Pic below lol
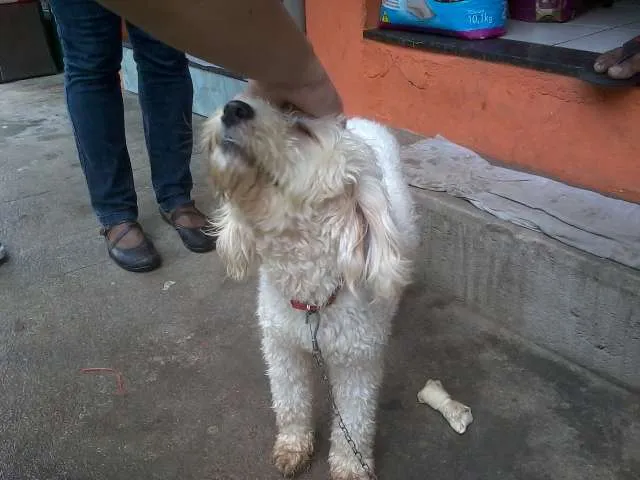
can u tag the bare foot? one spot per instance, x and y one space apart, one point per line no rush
610 62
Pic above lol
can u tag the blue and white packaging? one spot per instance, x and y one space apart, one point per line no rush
470 19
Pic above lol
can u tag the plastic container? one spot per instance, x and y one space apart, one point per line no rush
469 19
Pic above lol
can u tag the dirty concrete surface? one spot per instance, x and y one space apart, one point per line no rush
197 403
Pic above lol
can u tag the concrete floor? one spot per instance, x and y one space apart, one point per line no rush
197 402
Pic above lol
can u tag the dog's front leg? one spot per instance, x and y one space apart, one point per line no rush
356 382
289 371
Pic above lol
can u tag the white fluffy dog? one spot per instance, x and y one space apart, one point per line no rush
319 206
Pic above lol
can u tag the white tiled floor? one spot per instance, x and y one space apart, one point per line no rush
548 33
598 30
605 40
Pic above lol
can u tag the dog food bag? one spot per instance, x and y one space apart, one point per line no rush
470 19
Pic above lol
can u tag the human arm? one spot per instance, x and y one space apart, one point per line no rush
254 38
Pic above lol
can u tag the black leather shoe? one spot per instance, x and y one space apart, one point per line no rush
3 254
195 239
141 258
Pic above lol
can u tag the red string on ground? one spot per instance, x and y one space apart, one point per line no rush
120 390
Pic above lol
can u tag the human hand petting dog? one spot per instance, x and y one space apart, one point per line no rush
316 97
257 39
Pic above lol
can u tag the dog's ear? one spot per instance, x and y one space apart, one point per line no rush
371 245
235 243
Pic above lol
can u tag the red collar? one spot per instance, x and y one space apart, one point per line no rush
307 307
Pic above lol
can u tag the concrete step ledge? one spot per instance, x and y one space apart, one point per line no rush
579 306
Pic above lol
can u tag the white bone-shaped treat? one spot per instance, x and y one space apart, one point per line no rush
458 415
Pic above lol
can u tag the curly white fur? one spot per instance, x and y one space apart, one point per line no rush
312 204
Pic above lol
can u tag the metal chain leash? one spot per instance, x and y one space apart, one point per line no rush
319 359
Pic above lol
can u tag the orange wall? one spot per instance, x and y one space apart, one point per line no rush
549 124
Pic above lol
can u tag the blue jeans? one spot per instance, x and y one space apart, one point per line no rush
91 40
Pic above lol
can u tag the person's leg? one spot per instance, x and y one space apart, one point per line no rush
166 98
166 95
91 41
92 48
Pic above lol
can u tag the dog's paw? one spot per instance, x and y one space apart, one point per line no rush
292 453
349 470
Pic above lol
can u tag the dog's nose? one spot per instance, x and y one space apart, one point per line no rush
236 112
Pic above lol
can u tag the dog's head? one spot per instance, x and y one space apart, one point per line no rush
259 155
282 170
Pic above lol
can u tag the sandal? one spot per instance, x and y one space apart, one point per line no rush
142 258
194 238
